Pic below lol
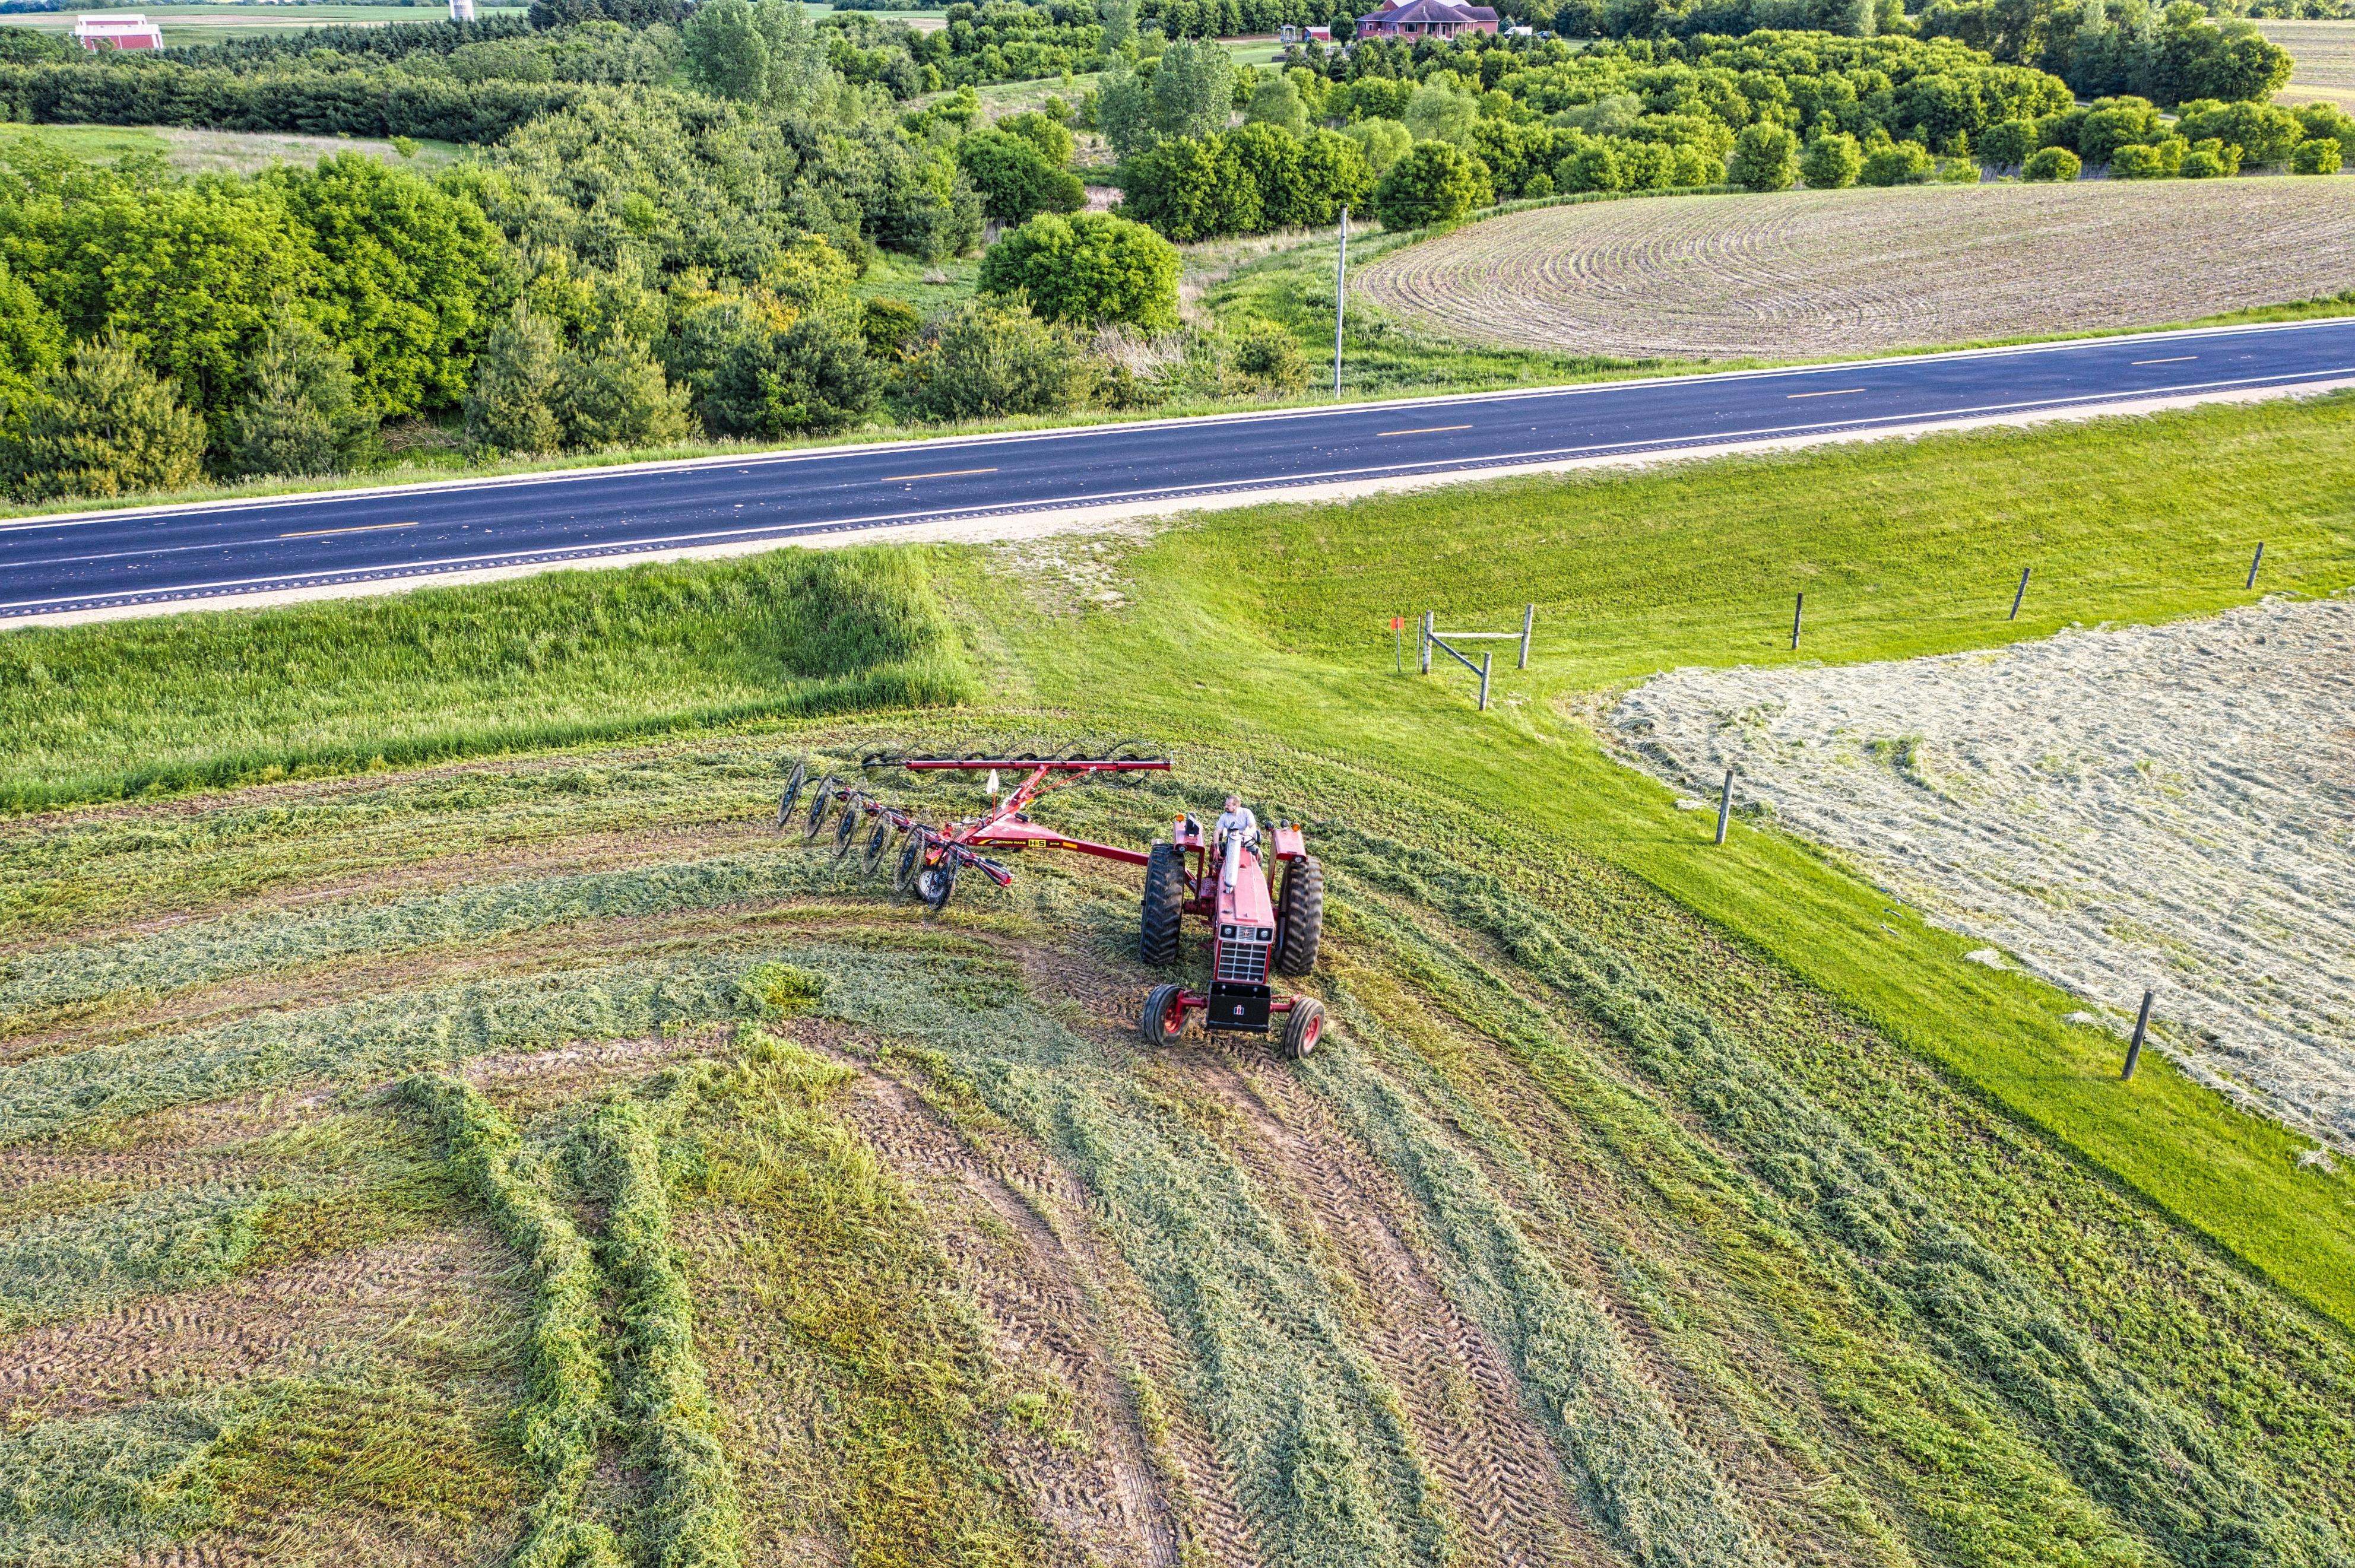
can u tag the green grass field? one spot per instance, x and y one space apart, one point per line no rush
1653 1202
199 152
187 26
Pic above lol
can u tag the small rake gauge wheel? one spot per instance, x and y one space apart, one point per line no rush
1304 1027
1164 1018
935 883
818 803
794 786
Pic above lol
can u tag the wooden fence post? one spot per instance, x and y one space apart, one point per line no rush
2134 1046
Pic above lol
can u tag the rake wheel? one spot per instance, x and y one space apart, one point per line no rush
872 860
824 798
794 786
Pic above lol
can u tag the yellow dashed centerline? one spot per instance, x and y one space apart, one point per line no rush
362 528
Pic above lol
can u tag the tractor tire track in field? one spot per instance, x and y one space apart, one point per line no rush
1462 1402
1105 1499
1809 273
269 1322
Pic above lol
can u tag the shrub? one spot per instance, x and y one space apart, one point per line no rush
1269 356
813 377
614 394
889 325
2112 124
1899 164
1538 185
1956 172
1831 162
2006 144
1092 268
2319 156
991 357
103 425
1765 158
2147 161
2051 164
1435 183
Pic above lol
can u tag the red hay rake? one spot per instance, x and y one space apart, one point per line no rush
930 858
1225 877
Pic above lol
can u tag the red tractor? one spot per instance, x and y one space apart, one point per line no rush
1251 927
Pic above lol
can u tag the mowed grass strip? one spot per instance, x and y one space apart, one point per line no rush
1807 273
226 698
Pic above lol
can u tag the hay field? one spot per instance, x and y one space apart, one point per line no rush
197 151
2325 53
2170 807
1816 273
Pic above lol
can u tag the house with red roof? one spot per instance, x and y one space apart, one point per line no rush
1427 19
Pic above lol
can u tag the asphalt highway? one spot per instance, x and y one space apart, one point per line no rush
159 555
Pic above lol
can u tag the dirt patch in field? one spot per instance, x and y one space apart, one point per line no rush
2170 807
1802 274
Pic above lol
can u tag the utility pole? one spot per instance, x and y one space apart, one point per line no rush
1341 293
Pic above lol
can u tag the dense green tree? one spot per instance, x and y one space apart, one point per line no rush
1435 183
725 53
2159 160
102 425
1094 269
1119 24
32 339
612 393
1193 89
1765 158
2113 122
194 277
510 407
1045 132
1441 110
989 357
1275 100
1831 162
302 413
405 272
1014 179
814 376
1381 142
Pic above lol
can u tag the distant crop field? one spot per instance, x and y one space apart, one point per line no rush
187 25
1805 273
2325 52
199 152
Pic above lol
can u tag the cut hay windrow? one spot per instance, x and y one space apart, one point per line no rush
2162 1472
95 1491
691 1517
565 1375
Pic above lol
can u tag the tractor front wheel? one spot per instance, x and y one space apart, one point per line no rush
1301 910
1164 904
1164 1018
1304 1026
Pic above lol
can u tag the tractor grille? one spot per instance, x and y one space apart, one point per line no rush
1239 961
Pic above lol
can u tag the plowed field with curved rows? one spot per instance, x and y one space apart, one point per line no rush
1805 273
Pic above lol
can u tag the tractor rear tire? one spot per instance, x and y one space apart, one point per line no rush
1163 1019
1304 1027
1164 904
1303 911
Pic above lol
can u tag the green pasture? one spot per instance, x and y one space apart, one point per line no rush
1266 633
